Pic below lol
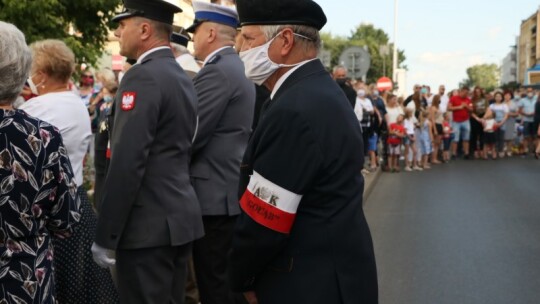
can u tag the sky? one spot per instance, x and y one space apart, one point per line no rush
441 38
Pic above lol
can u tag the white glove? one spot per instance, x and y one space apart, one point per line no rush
102 256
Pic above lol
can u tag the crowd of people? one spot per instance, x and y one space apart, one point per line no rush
428 129
212 171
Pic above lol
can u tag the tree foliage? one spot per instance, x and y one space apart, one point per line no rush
82 24
482 75
373 38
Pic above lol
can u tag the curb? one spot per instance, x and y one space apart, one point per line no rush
369 183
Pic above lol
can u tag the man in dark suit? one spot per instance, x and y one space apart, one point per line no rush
226 105
302 236
340 76
149 214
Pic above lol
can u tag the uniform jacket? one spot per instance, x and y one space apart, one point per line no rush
302 236
148 200
226 106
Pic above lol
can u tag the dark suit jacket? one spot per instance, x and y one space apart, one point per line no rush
148 200
309 143
226 106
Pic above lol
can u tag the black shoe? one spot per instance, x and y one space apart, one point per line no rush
466 157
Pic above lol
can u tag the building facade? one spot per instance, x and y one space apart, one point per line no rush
509 65
529 51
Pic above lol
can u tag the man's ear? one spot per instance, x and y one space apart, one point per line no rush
146 30
287 41
212 34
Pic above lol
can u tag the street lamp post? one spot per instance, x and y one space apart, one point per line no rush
395 55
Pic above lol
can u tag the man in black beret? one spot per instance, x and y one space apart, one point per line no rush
149 214
302 236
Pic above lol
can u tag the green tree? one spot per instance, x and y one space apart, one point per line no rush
373 38
482 75
82 24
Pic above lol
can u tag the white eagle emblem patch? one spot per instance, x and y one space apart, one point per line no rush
128 101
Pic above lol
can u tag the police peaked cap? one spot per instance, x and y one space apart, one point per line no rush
212 12
281 12
158 10
180 36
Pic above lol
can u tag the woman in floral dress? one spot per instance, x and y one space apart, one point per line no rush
37 191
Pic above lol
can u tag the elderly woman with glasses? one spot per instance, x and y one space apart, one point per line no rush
78 278
37 189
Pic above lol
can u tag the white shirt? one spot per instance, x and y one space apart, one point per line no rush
366 104
393 114
409 125
430 99
188 63
65 111
150 51
443 106
358 110
282 79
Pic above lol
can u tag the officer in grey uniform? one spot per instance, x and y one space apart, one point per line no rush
179 42
226 104
149 215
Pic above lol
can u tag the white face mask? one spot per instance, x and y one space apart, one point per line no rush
258 66
32 86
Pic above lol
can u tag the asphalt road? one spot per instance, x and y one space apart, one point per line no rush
464 232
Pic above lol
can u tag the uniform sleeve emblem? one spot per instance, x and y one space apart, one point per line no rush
269 204
128 101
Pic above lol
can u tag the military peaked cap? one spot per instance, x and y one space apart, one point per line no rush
158 10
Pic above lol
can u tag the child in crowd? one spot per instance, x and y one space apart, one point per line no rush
410 123
395 135
490 138
426 138
447 136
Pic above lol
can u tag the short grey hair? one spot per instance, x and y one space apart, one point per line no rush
106 75
313 41
339 67
15 62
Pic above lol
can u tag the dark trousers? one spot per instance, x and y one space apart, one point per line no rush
210 256
152 275
500 140
477 136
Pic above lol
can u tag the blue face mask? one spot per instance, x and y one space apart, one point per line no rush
423 91
108 99
98 86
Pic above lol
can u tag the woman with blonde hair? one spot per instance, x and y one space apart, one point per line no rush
78 278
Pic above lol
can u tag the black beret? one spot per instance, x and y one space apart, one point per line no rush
280 12
158 10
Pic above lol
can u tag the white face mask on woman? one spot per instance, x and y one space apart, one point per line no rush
32 86
258 66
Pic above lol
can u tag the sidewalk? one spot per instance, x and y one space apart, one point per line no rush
370 180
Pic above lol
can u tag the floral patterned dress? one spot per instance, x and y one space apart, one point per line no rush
38 200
